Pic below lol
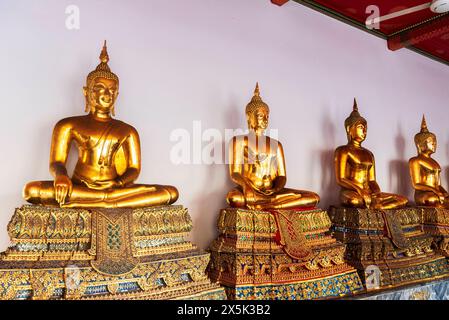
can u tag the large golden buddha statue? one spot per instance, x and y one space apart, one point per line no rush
258 167
355 170
425 171
96 234
108 155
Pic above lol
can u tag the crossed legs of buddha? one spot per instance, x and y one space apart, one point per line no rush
284 199
430 199
137 195
379 200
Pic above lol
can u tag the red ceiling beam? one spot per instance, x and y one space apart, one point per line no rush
422 32
279 2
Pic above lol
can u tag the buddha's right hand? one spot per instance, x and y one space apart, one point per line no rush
367 198
63 188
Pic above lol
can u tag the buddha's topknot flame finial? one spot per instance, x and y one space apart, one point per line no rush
256 90
104 57
355 107
424 124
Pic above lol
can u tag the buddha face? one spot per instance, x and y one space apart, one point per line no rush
428 146
357 132
102 94
258 120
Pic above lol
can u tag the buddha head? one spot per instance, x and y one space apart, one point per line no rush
257 112
355 125
425 141
101 88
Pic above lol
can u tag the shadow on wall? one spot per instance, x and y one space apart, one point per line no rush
329 188
40 150
216 186
399 180
208 205
446 171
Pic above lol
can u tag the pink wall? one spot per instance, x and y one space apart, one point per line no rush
185 60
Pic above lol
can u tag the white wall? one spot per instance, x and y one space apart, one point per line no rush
185 60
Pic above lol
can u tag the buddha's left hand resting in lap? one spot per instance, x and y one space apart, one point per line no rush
108 156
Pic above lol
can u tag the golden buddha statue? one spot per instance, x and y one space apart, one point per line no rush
425 171
108 155
355 170
257 166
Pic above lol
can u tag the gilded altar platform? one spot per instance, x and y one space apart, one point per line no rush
436 224
393 242
103 254
252 256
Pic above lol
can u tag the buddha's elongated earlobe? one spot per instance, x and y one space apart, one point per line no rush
86 107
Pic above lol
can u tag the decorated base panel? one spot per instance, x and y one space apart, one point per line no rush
323 288
388 246
286 254
436 224
103 254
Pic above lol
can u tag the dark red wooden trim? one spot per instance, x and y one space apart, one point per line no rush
422 32
279 2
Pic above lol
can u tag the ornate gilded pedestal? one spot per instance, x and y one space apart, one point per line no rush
103 254
436 224
392 240
252 259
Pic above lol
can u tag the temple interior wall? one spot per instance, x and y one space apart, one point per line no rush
183 61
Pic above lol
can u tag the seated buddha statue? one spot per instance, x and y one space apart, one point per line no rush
425 171
108 155
257 166
355 170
